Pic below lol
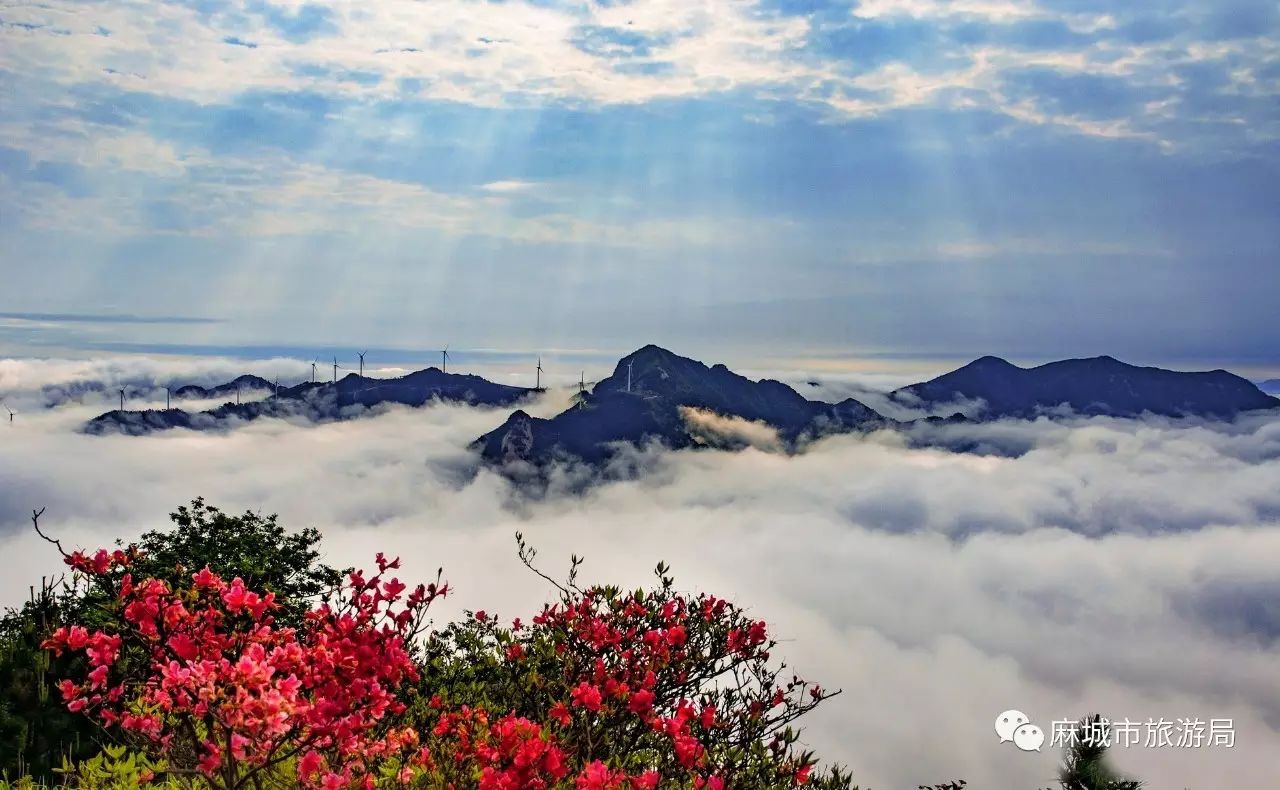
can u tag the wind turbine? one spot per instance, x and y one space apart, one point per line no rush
167 393
444 359
6 408
538 383
275 387
583 384
313 369
361 355
335 370
629 364
122 399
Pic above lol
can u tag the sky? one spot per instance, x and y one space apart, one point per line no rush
789 178
864 194
1125 567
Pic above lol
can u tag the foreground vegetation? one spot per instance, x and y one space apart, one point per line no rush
223 654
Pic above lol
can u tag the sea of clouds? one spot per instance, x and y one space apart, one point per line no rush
1119 566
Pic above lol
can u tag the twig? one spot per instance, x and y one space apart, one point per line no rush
35 522
526 553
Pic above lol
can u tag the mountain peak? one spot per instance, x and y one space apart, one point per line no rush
990 361
648 397
649 352
1100 385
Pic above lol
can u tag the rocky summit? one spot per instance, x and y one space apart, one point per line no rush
648 397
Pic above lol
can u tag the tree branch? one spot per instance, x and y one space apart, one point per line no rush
35 522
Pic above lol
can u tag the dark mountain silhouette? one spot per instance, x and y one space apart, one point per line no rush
1096 386
662 384
58 394
664 387
55 395
319 402
1270 386
244 384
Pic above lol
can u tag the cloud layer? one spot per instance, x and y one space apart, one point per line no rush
899 174
1032 61
1120 566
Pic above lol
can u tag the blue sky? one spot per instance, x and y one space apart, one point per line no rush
911 177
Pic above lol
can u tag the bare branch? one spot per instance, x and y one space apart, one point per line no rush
526 554
35 522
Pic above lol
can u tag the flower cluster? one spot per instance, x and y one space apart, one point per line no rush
664 684
216 678
101 562
603 690
511 752
514 752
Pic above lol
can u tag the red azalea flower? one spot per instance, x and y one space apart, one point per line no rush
587 696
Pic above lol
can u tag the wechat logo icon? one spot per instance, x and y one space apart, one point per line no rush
1014 727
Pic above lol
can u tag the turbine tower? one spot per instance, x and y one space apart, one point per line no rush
361 355
629 364
122 399
444 359
583 384
335 370
313 369
538 382
167 393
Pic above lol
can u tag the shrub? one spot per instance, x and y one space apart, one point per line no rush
603 689
636 685
37 732
218 688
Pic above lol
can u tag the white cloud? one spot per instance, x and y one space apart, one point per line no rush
713 430
506 187
275 195
1111 567
492 54
138 180
993 10
461 51
101 146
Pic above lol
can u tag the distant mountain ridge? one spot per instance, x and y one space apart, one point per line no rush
319 402
642 401
655 395
1093 386
1270 386
243 383
644 398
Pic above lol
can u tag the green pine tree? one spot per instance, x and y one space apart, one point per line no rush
1085 766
